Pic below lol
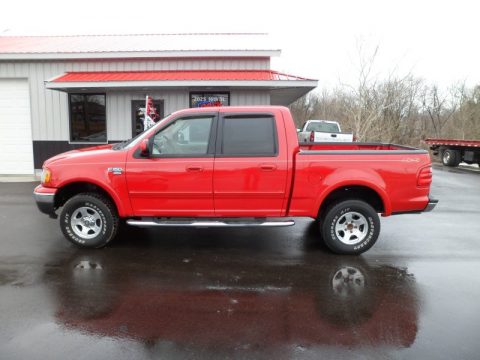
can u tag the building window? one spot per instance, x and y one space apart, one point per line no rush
206 99
87 118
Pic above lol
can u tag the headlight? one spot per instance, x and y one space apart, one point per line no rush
46 176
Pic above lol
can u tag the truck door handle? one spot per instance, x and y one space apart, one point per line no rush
194 168
333 135
268 167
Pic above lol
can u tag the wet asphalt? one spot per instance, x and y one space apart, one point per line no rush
244 293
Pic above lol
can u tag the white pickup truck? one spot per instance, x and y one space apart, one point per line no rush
323 131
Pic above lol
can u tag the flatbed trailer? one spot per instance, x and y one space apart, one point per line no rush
454 151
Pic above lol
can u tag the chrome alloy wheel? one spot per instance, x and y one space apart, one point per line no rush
86 222
351 228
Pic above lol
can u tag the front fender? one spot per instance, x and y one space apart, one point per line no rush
113 185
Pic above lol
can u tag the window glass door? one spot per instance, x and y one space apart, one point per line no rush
138 113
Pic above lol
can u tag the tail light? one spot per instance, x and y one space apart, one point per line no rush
312 136
354 138
424 177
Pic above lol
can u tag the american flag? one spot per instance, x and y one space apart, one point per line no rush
151 114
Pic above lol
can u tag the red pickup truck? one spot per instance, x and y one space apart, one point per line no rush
234 167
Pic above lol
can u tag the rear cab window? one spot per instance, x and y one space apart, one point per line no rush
248 135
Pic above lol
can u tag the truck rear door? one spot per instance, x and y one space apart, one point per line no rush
251 164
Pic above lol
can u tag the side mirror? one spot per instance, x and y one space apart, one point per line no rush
144 148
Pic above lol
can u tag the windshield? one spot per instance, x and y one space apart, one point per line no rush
322 126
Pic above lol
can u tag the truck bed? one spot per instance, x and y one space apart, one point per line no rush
320 168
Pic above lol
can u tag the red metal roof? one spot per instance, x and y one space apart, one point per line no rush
176 75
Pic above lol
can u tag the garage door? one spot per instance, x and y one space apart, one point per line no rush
16 151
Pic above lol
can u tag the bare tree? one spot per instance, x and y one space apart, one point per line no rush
465 122
398 109
365 106
399 123
303 109
383 109
438 107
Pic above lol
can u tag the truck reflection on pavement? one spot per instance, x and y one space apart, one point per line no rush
341 301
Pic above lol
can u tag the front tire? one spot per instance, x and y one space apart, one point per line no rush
89 220
350 227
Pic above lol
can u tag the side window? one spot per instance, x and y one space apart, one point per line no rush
186 136
249 136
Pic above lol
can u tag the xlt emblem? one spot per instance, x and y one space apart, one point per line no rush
411 160
115 170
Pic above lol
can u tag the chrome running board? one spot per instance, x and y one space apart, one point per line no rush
148 222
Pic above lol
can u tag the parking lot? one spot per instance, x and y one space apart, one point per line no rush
244 293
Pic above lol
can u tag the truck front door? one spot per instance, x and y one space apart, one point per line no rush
177 178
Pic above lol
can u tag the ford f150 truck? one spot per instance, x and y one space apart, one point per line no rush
233 167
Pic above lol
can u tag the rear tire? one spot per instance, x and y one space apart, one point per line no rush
89 220
451 157
350 227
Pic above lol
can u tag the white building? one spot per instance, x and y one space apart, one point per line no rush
63 92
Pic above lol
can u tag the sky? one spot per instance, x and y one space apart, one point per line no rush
434 40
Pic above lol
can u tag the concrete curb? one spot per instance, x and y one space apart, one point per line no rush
18 178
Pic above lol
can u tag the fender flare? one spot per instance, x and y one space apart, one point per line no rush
113 195
346 183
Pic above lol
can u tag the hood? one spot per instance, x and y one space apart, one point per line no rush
82 153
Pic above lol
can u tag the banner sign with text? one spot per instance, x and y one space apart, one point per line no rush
209 99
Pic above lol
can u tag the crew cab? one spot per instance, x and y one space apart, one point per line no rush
323 130
233 167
